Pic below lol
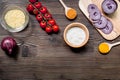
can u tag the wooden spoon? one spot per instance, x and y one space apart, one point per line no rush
68 9
109 46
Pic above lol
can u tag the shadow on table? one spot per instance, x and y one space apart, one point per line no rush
79 50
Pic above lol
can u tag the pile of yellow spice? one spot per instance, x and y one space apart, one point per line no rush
104 48
71 14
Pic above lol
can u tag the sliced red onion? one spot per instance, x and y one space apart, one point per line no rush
92 7
94 12
109 6
95 15
108 29
101 23
8 44
98 20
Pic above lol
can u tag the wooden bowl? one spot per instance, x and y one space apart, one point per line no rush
83 27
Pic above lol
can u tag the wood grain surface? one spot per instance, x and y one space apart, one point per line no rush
47 57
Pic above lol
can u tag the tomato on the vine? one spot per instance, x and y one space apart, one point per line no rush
55 28
48 29
43 24
52 22
43 10
39 17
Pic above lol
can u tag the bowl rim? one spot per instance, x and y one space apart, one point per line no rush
80 25
9 7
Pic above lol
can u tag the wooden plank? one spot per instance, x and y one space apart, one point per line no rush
50 58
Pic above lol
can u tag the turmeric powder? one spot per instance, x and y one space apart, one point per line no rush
104 48
71 14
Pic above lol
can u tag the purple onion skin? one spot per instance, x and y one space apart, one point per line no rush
109 6
8 44
108 29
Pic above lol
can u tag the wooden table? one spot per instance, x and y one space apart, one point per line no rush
47 57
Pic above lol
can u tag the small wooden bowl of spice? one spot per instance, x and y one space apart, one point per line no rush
76 35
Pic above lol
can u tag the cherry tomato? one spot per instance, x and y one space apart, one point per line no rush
43 24
55 28
52 22
35 11
39 17
30 8
33 1
43 10
48 16
38 5
48 29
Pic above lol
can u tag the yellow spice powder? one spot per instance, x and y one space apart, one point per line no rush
104 48
71 14
15 18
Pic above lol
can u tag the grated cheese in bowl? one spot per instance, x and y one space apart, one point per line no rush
14 18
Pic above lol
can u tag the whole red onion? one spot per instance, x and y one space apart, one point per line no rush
8 44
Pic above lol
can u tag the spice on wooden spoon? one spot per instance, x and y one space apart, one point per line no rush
104 47
69 12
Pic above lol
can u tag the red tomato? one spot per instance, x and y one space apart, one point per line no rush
39 17
43 24
30 8
48 29
38 5
33 1
43 10
48 16
55 28
35 11
52 22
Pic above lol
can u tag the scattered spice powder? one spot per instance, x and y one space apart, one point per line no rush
104 48
71 14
